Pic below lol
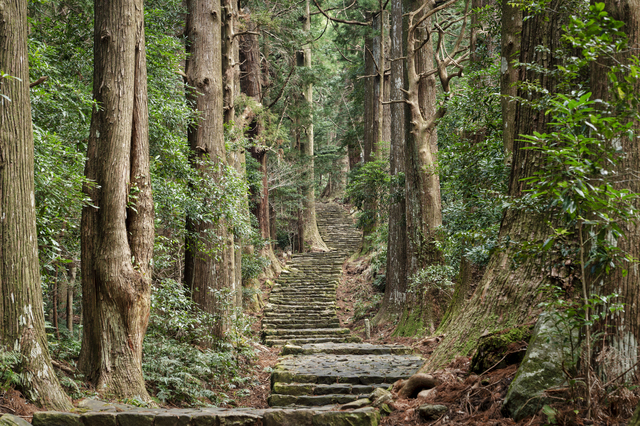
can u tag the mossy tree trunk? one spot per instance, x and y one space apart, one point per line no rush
117 236
21 312
508 294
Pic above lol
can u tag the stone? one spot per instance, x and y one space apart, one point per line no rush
55 418
135 418
364 417
205 419
635 420
95 405
500 349
432 412
380 396
288 418
171 419
385 409
542 367
10 420
238 418
358 403
99 419
427 393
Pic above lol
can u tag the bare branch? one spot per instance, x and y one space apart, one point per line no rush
39 81
343 21
282 88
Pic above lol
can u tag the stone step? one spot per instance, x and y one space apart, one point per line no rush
300 325
302 341
316 389
305 332
277 400
347 349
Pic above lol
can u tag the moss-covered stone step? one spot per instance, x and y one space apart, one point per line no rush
316 416
278 400
296 323
347 349
319 389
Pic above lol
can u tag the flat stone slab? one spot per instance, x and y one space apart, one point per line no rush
355 369
346 349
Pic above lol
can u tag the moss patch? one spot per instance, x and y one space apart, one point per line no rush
502 348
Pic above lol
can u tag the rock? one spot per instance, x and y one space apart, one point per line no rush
95 405
380 396
9 420
500 349
363 417
541 368
288 418
385 409
133 418
358 403
427 393
99 419
415 384
432 412
55 418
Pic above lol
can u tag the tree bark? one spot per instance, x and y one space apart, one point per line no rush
310 235
396 276
117 236
508 294
251 85
21 312
510 48
623 342
207 275
235 157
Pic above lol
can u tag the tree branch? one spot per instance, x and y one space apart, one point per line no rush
39 81
343 21
284 85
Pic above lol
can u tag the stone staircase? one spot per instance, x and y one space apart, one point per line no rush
321 364
302 304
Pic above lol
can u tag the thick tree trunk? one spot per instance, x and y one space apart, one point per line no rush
117 236
251 85
310 234
396 285
508 294
21 312
207 267
623 341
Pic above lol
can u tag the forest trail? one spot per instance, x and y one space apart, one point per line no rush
321 363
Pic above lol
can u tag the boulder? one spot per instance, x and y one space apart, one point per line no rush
542 367
432 412
500 349
380 396
635 420
9 420
363 417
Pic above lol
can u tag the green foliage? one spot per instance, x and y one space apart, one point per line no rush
177 369
433 277
9 367
369 182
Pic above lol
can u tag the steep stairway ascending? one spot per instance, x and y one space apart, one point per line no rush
317 368
302 304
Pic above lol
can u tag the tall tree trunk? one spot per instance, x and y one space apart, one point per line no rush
236 159
508 294
396 285
251 85
206 274
510 48
71 285
310 235
626 324
21 312
117 236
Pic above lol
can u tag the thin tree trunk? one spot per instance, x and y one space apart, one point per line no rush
71 284
251 85
395 290
117 237
206 276
310 235
21 313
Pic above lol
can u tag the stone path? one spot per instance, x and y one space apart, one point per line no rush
320 365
